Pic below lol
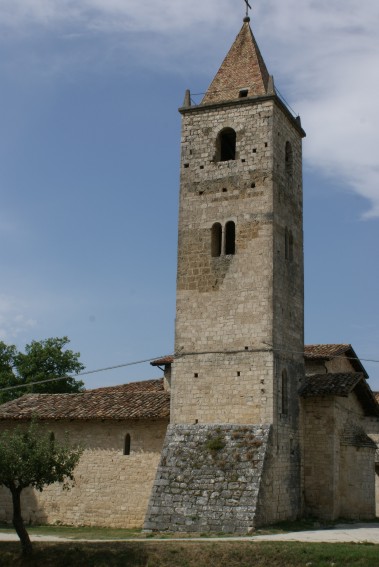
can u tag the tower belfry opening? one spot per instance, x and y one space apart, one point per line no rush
226 144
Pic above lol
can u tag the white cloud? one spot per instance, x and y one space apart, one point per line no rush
324 55
133 15
13 322
329 53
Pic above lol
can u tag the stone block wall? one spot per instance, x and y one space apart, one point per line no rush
372 428
209 479
225 302
280 495
288 261
223 388
338 470
245 303
336 365
357 483
239 324
111 489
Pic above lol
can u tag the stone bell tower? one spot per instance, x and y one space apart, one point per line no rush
239 316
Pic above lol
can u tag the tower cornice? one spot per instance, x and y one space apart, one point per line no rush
252 100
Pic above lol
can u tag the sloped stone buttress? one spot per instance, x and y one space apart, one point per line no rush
209 479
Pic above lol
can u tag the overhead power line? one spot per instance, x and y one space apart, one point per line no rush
177 355
86 373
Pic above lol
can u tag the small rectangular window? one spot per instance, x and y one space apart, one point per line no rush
243 93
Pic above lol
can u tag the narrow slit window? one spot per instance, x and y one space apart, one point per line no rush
289 159
230 238
226 145
216 240
290 246
284 392
286 244
127 444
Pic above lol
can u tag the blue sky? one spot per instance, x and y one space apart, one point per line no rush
89 156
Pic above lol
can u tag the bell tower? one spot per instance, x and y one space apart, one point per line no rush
239 313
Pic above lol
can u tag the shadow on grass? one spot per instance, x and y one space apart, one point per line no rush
191 554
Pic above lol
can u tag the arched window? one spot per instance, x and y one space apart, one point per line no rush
284 392
127 444
226 145
230 238
216 239
288 159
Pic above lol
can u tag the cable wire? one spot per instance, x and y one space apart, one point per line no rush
177 355
86 373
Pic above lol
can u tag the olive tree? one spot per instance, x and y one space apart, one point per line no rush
31 457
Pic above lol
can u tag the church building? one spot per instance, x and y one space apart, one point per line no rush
248 426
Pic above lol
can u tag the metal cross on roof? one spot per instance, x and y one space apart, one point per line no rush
247 7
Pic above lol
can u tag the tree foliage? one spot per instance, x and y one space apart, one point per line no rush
42 360
31 457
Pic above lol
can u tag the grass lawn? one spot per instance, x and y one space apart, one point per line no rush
151 553
94 532
78 532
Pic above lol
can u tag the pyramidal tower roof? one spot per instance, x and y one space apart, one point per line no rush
243 69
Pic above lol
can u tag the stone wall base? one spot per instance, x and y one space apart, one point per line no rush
209 479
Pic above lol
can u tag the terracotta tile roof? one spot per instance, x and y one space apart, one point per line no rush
242 68
325 385
137 400
155 385
329 385
169 359
325 351
329 351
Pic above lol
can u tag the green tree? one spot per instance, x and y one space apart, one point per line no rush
8 377
32 457
42 360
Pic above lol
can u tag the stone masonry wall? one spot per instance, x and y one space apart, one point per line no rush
223 388
224 304
209 479
339 474
288 265
339 364
372 428
282 482
239 323
111 489
357 483
226 300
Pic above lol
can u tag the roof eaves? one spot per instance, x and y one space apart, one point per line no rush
165 360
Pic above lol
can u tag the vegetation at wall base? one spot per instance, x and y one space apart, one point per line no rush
191 554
